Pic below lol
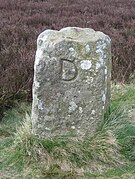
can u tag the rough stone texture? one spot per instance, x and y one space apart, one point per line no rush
71 87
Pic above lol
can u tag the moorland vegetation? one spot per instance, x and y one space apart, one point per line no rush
22 21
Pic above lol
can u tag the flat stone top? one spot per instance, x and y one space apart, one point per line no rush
73 34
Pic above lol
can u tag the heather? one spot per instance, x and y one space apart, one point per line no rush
23 20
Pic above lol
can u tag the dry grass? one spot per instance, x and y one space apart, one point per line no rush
61 157
109 152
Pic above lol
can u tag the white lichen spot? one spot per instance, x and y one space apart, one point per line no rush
39 54
47 79
93 112
87 48
48 129
100 52
101 44
101 60
80 110
103 107
106 90
40 105
72 106
86 64
105 55
71 49
106 71
58 95
103 98
36 84
98 65
72 127
89 79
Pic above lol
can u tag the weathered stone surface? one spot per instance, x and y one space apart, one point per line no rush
71 87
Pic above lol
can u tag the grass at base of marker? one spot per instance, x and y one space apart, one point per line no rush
109 153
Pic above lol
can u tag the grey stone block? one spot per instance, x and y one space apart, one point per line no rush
71 88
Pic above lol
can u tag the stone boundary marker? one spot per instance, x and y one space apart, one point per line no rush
71 88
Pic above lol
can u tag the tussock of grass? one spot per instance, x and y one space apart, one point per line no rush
13 118
65 156
118 118
111 148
